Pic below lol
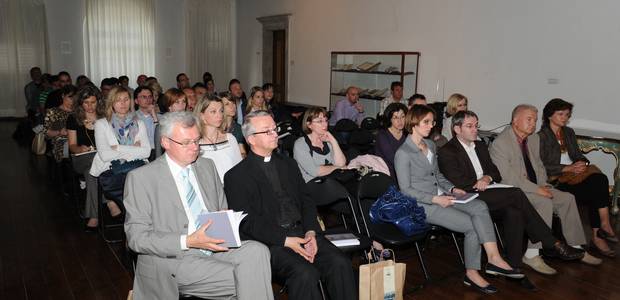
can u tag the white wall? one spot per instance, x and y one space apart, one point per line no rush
497 53
65 20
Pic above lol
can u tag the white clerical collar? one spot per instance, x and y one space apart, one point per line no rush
267 158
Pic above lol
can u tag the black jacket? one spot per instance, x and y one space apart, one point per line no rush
457 167
247 189
550 149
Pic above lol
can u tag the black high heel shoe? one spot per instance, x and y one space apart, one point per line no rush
489 289
606 236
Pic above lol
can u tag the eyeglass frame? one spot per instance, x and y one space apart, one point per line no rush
272 131
186 143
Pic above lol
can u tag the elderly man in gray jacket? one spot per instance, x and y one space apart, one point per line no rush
516 154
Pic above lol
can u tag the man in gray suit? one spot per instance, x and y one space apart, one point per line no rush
175 256
516 154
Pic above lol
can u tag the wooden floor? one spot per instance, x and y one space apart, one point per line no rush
44 254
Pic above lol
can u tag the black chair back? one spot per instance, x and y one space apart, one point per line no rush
326 191
369 123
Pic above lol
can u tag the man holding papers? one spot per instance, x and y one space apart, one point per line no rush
466 163
282 215
163 201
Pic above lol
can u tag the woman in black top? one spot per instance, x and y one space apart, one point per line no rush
81 133
561 155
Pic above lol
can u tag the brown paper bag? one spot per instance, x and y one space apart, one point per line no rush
384 280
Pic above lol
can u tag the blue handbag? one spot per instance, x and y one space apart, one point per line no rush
401 210
112 181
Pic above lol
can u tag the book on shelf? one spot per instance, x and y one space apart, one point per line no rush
225 226
343 239
368 66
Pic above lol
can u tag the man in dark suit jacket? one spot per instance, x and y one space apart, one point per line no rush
282 215
466 162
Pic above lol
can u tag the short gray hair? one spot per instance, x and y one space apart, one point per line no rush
247 127
167 122
521 108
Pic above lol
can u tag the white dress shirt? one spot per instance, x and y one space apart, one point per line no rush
473 157
176 174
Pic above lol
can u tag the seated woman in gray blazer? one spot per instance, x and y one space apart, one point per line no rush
419 176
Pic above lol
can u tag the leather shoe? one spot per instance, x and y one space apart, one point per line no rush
566 252
495 270
525 283
607 253
539 265
489 289
606 236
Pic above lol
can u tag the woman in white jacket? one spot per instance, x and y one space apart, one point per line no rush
121 135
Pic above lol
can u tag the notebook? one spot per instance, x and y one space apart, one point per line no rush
462 199
343 239
225 226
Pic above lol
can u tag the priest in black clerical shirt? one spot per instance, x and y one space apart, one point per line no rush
282 215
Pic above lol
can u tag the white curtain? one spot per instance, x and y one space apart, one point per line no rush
208 40
23 45
119 38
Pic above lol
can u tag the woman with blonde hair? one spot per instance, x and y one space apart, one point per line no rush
256 101
120 135
456 103
217 145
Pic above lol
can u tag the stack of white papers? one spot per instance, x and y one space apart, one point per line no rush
225 226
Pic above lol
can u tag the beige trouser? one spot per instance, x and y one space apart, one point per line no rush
563 204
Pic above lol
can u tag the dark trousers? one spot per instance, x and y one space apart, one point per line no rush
511 207
302 277
593 192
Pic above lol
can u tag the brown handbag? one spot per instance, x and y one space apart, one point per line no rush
572 178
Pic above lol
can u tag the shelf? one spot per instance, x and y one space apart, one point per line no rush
361 97
374 72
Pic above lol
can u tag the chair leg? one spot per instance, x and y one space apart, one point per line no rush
499 236
417 249
322 290
458 249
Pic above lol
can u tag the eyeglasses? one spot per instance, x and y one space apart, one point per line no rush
428 122
186 143
272 131
471 126
319 121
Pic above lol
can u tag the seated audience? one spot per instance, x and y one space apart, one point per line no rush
81 134
141 80
200 90
230 124
163 201
561 156
256 101
82 81
280 112
282 215
32 90
158 96
348 108
106 85
54 99
221 147
120 135
456 103
419 176
182 81
55 124
124 82
173 100
317 152
389 139
396 96
192 100
467 164
516 153
49 84
416 99
237 95
147 112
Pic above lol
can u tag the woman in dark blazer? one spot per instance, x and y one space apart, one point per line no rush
393 136
560 154
419 176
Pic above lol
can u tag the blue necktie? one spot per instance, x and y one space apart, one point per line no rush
193 203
